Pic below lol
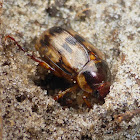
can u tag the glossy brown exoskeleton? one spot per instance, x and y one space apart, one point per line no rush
70 56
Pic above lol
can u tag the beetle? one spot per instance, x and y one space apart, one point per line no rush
71 56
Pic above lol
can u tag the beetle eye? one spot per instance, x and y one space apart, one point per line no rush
96 94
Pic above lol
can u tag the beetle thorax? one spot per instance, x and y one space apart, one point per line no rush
93 75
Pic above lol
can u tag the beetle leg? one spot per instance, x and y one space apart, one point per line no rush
20 47
41 62
61 94
85 96
127 115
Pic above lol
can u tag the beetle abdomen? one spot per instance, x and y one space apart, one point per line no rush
63 49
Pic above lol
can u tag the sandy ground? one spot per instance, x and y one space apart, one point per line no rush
27 106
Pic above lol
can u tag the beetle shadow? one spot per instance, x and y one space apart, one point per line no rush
53 84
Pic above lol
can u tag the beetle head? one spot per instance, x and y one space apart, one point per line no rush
95 78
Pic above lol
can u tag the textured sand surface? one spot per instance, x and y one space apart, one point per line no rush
28 109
